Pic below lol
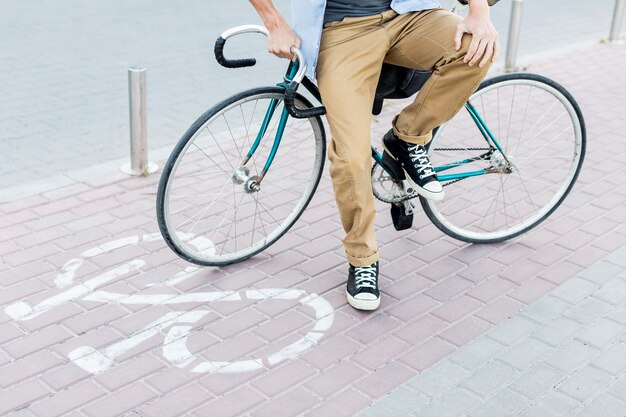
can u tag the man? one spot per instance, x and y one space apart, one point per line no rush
345 43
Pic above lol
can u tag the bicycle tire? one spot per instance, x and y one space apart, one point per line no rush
443 220
181 242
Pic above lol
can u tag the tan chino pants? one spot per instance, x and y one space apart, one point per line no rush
351 55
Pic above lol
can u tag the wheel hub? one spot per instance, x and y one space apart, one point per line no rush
501 164
241 175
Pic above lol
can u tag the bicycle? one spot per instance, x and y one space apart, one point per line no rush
501 181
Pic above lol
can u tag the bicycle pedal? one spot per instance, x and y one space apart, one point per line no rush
393 166
401 220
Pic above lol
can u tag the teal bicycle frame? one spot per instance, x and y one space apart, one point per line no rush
291 71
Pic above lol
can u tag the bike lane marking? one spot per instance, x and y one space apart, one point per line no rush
180 322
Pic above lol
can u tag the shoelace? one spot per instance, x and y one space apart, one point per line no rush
365 276
424 167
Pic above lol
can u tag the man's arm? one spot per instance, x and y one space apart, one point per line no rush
485 43
281 36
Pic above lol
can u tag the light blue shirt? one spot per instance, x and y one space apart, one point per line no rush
308 21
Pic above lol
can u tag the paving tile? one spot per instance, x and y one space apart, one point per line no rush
436 381
120 402
585 383
613 292
345 404
426 355
490 289
525 354
588 311
420 330
384 379
448 288
477 353
176 403
33 342
335 378
537 381
489 378
399 403
21 395
64 376
331 352
600 272
413 307
457 308
280 379
558 331
466 330
510 331
291 403
560 404
504 403
545 310
380 352
574 290
605 406
373 328
531 290
602 333
235 403
481 270
453 404
501 309
74 397
571 356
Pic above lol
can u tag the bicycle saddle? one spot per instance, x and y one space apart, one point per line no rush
397 82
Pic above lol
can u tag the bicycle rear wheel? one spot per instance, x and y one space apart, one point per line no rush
542 132
206 213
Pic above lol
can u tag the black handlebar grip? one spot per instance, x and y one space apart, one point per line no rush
290 104
230 63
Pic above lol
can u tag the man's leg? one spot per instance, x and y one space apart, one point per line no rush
425 40
349 64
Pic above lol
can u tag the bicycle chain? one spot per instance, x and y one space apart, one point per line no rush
463 149
412 196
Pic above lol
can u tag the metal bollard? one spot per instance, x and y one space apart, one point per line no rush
616 25
515 27
139 164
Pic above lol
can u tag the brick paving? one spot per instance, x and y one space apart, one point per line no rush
448 307
546 360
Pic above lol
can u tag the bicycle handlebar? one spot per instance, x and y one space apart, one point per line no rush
290 92
221 41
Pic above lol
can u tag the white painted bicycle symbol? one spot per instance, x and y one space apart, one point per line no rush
179 323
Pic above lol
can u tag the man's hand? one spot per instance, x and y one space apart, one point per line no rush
485 43
280 37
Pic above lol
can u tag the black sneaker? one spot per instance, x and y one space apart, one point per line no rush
416 165
362 289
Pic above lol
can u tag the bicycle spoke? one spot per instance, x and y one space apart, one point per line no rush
233 137
219 147
211 159
234 223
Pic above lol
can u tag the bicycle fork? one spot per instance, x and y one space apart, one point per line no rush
252 183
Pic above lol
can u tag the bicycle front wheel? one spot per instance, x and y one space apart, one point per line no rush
542 135
207 211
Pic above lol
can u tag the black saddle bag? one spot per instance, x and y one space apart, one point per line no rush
397 82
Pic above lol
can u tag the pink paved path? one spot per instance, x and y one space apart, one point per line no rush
439 294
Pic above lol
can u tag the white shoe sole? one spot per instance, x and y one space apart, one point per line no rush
429 195
362 304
